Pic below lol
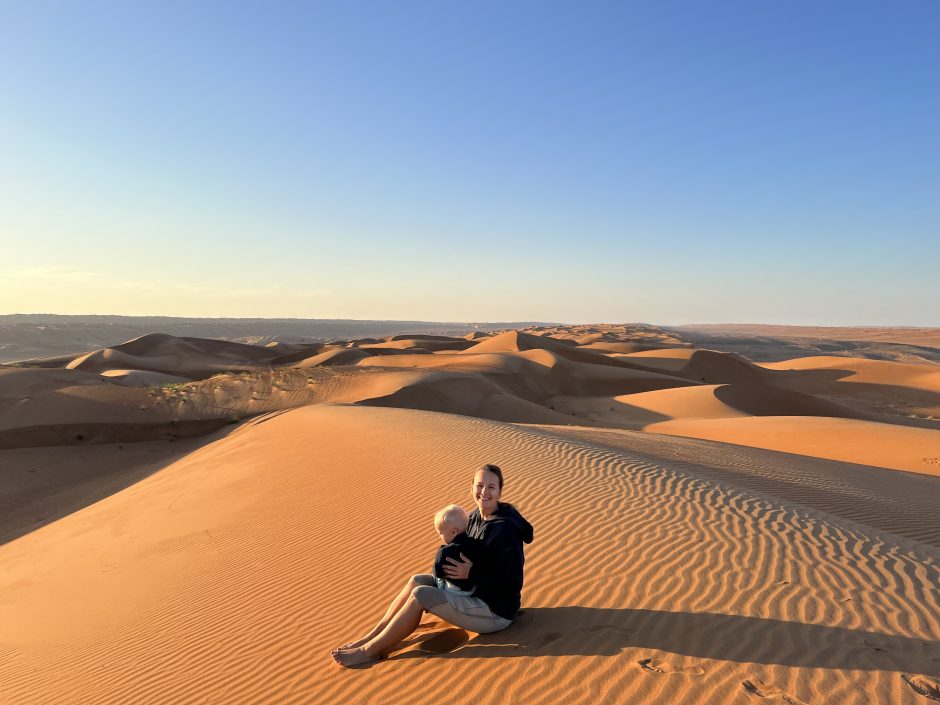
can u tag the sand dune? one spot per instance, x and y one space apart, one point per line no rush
713 367
32 336
420 344
642 333
584 382
517 341
524 377
776 343
46 396
191 520
616 347
229 573
45 407
299 353
849 440
902 393
537 374
142 378
666 359
909 335
468 395
341 356
919 376
640 410
432 343
861 493
189 357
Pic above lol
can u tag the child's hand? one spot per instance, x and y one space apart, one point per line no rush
458 570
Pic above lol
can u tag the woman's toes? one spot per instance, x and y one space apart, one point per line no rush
352 657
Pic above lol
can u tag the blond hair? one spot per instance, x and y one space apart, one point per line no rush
451 515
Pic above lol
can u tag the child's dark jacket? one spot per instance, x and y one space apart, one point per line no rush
461 544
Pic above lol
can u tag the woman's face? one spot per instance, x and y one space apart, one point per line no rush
485 491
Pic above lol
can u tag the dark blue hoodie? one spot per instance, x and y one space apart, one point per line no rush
497 574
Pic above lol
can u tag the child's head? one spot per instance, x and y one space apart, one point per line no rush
451 521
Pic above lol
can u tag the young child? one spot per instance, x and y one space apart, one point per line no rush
451 524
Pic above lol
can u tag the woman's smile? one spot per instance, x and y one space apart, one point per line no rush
486 491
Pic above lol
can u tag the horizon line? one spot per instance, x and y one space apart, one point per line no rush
530 322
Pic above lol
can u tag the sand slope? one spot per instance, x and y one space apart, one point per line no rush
708 529
710 401
227 576
854 441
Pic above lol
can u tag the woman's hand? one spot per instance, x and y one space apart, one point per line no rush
458 570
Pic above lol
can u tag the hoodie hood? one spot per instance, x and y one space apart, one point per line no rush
507 513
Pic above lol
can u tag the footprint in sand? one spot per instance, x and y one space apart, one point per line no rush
445 641
665 667
768 690
922 686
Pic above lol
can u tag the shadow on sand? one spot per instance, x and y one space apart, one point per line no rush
589 631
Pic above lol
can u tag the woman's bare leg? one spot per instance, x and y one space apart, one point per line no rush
390 613
403 623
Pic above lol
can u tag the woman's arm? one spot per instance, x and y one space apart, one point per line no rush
458 570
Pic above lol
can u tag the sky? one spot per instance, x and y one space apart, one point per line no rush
667 162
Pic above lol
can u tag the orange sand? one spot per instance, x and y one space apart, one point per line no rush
748 537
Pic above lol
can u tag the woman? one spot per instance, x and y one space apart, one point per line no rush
497 577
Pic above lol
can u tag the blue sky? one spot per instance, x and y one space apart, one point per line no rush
668 162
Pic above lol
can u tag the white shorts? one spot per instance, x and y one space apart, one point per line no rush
464 611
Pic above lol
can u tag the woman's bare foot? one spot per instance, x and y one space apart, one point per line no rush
353 657
351 645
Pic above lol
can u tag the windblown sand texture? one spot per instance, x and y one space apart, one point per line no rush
190 521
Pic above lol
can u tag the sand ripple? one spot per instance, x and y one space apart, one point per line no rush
227 576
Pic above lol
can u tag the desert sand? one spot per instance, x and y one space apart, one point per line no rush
194 520
767 343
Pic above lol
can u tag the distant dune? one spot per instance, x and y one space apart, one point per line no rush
775 343
905 335
25 336
192 519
